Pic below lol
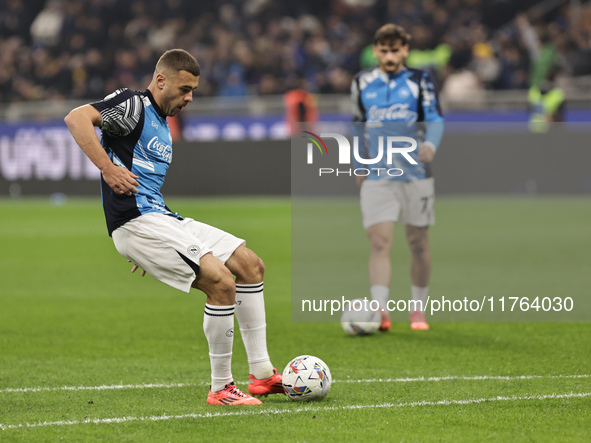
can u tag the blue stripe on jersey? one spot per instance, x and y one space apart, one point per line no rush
394 104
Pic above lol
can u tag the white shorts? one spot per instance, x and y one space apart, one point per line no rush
169 249
409 203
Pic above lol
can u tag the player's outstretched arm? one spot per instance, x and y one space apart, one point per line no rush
81 122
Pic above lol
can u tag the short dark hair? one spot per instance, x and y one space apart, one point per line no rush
178 60
389 34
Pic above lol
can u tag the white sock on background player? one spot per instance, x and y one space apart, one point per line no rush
250 312
420 294
218 325
381 294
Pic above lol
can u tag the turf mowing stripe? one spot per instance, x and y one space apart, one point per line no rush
369 380
289 411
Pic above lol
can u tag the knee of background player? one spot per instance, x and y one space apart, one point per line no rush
418 239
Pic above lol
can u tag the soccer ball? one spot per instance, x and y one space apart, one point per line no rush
358 321
306 378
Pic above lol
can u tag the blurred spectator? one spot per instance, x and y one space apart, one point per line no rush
300 106
461 84
546 102
84 49
486 66
47 26
541 48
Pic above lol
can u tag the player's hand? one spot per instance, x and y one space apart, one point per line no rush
360 179
426 153
135 268
121 180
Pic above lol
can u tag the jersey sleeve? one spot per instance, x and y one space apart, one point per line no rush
120 112
431 111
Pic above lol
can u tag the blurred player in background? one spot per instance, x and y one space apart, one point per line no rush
133 159
393 98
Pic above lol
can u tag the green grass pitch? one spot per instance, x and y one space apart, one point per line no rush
91 352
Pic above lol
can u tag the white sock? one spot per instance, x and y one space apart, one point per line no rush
420 294
218 325
381 294
250 312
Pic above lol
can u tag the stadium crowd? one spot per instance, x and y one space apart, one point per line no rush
53 49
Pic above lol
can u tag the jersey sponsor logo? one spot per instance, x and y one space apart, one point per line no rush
161 149
371 95
154 125
397 112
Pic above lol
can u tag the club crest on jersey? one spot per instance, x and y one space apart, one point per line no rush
403 93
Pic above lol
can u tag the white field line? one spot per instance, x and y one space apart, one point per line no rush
459 377
369 380
104 387
256 412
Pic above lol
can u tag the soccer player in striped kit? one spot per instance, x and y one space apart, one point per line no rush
133 156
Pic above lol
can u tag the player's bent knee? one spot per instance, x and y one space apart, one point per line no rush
221 291
246 265
225 283
216 281
252 269
258 269
226 287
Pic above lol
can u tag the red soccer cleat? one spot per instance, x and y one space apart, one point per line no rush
418 321
269 385
386 325
231 396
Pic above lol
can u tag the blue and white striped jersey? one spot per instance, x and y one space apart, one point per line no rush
395 104
136 136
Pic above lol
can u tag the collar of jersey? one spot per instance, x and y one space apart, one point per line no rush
389 77
156 107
